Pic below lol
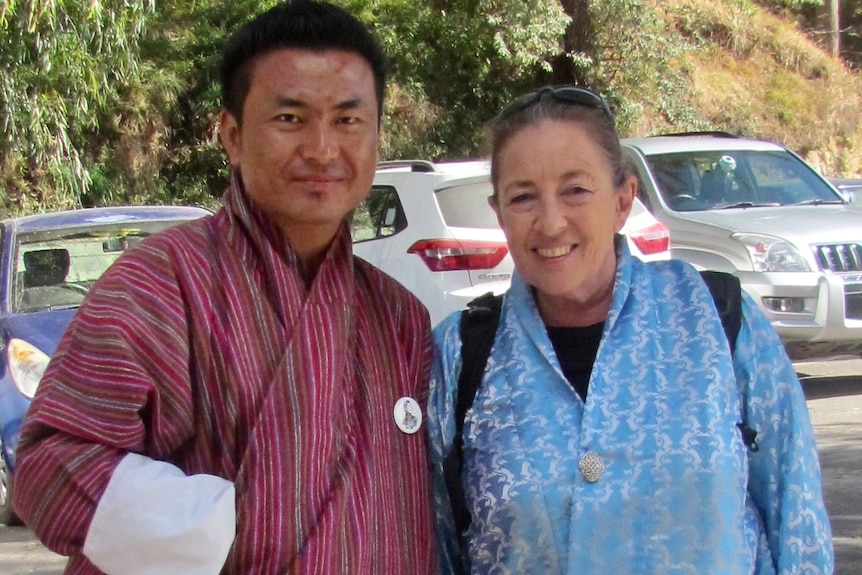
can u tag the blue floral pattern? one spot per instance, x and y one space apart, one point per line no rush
679 491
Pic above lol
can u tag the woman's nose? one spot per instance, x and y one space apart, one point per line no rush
549 218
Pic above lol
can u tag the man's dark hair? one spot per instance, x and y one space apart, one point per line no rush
299 24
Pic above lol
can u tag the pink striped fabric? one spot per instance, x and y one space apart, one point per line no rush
203 347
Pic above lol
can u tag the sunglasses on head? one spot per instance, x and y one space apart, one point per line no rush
574 95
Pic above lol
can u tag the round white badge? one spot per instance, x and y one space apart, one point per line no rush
408 415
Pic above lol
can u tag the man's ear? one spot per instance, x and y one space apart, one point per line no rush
230 134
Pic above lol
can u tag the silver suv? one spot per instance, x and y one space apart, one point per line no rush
758 210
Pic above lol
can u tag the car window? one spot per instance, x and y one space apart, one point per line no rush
466 206
697 181
379 216
56 268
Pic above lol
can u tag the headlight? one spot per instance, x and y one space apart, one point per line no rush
771 254
26 365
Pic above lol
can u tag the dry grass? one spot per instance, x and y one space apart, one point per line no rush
756 74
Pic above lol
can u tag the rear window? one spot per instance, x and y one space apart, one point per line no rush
466 206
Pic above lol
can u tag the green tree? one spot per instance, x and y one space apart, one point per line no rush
455 63
185 41
116 101
624 49
65 66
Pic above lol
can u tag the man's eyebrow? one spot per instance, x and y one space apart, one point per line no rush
288 102
349 104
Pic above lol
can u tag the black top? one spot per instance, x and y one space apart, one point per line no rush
576 349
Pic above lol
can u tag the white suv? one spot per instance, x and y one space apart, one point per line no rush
429 226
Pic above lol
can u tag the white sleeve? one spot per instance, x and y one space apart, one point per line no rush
155 520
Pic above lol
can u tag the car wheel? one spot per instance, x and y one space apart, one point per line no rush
7 515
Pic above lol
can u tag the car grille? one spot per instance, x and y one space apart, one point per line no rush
844 258
854 305
839 257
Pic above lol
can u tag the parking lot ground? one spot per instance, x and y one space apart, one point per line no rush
21 553
834 393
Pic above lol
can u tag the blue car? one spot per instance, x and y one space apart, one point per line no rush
48 262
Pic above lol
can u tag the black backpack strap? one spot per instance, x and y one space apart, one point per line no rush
478 328
727 295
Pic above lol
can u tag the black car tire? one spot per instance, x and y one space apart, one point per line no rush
7 515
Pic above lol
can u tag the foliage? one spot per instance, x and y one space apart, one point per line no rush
64 67
185 39
455 63
644 73
792 4
116 101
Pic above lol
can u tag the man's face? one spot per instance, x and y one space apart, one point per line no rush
307 146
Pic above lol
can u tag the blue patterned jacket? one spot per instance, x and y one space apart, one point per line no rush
679 491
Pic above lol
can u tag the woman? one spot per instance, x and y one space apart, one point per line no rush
605 436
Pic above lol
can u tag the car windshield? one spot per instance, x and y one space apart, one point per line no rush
54 269
714 180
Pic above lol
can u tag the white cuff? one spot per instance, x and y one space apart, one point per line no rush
155 520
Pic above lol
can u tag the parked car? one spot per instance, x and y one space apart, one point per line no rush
757 210
850 188
429 226
48 262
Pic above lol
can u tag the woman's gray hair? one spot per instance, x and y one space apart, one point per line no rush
597 122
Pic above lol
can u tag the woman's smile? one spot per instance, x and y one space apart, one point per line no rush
556 252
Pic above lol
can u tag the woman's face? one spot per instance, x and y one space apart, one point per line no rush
557 203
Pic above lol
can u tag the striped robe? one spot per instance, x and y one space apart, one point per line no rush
204 348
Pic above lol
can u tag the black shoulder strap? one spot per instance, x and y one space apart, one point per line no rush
478 328
727 295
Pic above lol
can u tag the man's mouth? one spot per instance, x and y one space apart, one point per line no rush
317 178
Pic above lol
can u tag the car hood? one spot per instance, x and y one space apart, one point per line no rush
41 329
801 224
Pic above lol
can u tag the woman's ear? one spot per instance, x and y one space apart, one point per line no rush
494 202
625 196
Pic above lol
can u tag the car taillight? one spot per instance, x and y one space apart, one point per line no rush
653 239
451 255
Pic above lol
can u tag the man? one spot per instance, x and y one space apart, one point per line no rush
240 394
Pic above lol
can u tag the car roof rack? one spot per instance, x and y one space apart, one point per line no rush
704 133
414 165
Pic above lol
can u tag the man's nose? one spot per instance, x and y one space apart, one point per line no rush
320 143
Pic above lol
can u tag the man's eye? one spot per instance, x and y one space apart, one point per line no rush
349 120
288 118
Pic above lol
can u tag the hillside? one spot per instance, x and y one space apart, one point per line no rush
755 73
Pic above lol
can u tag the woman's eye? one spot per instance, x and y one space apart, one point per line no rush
575 191
520 198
